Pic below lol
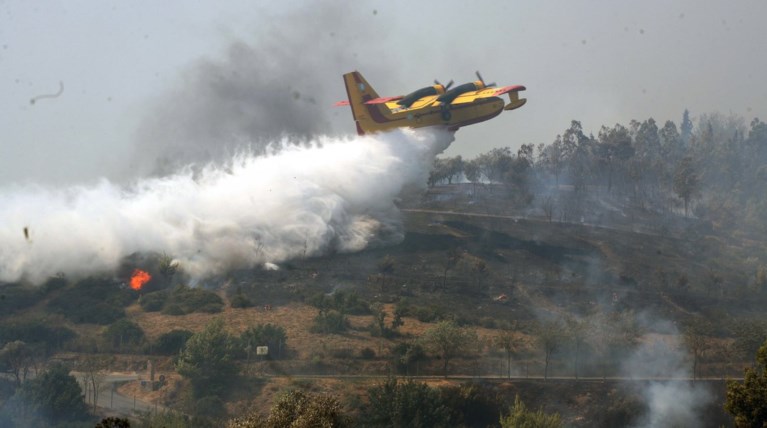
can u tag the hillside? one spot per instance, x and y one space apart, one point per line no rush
490 274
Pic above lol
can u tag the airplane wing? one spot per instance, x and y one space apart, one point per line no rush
382 100
513 91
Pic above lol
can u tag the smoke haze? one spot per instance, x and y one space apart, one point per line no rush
282 82
669 402
334 194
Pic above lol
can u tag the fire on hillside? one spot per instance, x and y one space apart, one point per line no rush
139 278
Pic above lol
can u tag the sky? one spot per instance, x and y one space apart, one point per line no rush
150 80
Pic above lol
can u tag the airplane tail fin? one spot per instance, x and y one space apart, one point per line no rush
359 92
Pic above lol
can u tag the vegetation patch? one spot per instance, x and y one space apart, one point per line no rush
182 300
94 300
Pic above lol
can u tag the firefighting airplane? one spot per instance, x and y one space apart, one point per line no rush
435 105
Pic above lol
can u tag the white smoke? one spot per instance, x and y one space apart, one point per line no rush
335 194
671 398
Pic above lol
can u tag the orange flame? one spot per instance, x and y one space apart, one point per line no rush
139 278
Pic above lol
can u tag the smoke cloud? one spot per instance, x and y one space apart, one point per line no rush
332 194
282 82
660 359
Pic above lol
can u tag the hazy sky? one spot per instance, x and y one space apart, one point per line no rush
123 63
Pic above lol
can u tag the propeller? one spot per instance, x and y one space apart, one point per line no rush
449 84
487 85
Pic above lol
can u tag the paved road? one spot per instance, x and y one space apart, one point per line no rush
109 398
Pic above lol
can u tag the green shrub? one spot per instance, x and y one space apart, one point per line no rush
240 301
172 342
269 335
427 313
406 404
123 334
173 309
36 331
488 322
367 354
153 302
329 322
191 300
94 300
520 416
54 283
211 406
345 302
15 297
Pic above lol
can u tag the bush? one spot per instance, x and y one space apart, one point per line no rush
36 331
153 302
406 355
367 354
181 301
329 322
488 322
269 335
172 342
92 300
122 334
345 302
185 300
471 405
520 416
405 404
54 283
299 409
240 301
211 406
14 297
207 360
55 395
427 313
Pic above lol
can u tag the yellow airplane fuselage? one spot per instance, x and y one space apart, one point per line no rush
374 114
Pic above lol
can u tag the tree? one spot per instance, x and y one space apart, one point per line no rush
548 203
379 328
385 268
520 417
406 354
472 173
329 321
447 340
685 181
451 259
747 401
269 335
553 158
92 368
123 332
168 266
113 422
696 339
19 358
576 332
55 395
172 342
480 270
508 341
296 409
408 404
614 147
686 127
550 337
207 359
749 336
